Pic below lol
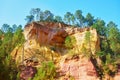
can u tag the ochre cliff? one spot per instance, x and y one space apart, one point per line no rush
79 67
52 34
55 33
46 41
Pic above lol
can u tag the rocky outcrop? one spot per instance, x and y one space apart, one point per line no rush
32 51
82 42
78 68
27 73
46 41
55 33
40 37
52 34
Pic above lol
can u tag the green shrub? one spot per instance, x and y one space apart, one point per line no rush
46 72
70 41
109 65
87 36
8 69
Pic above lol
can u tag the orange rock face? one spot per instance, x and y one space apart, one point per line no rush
52 34
39 36
79 68
55 33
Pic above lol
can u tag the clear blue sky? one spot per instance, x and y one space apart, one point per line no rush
15 11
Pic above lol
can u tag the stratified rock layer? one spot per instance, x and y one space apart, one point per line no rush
78 67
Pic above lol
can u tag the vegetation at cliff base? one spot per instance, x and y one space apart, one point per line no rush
47 71
10 37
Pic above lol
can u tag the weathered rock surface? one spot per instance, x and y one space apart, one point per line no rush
46 41
55 33
82 42
28 72
78 67
52 34
32 51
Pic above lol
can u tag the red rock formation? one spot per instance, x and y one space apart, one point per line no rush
79 68
54 34
28 72
45 34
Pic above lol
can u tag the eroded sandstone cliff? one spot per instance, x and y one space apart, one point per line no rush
46 41
79 67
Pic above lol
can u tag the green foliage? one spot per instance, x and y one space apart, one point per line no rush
99 25
87 36
5 28
8 69
109 66
46 72
18 37
80 17
58 19
88 51
89 19
114 37
100 54
48 16
18 76
1 33
36 13
70 41
29 18
69 18
75 19
10 39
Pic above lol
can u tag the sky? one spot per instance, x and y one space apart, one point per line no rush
15 11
